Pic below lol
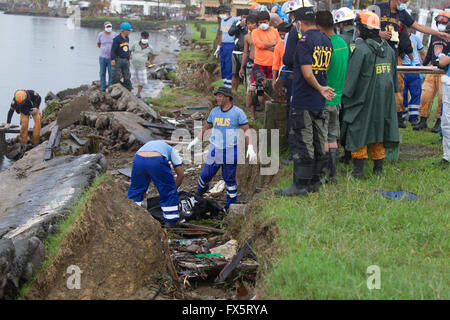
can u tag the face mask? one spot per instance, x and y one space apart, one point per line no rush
264 26
441 27
108 29
223 16
144 41
401 7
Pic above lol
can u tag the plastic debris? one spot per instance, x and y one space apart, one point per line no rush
398 195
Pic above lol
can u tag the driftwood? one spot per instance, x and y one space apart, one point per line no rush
53 142
168 127
202 228
233 263
169 261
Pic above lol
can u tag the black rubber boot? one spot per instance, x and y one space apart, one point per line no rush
358 168
401 123
378 167
301 177
437 126
437 141
421 125
318 173
346 158
332 164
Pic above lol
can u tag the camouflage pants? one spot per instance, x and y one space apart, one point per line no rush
122 67
306 135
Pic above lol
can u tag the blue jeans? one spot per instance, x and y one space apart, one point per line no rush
105 64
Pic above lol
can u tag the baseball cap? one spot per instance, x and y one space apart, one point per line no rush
107 23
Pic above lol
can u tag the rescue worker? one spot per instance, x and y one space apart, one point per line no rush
369 96
444 61
151 163
26 103
413 81
344 19
120 56
309 92
225 120
432 83
335 80
291 40
238 30
226 44
393 15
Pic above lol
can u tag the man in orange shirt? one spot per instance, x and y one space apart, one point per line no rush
265 38
278 53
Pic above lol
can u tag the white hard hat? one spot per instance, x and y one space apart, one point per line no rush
293 5
344 14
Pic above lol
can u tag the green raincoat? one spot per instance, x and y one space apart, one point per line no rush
347 36
369 109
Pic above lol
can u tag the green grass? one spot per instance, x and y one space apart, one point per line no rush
189 55
174 98
331 237
52 243
211 32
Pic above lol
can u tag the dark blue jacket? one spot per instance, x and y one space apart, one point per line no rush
120 48
291 45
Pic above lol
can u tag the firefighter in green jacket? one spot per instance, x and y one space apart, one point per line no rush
370 116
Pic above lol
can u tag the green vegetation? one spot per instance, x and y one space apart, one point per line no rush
189 55
174 98
330 238
51 108
52 243
211 32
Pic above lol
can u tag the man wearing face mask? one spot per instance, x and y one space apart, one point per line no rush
265 38
120 56
432 84
309 93
104 42
392 15
226 44
142 57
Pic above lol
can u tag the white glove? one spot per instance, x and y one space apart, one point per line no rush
193 142
251 155
216 53
6 126
33 111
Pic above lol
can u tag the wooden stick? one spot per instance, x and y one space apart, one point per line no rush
203 228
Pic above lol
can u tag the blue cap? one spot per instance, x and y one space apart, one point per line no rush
126 26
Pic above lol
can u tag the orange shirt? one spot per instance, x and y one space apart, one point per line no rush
278 56
264 57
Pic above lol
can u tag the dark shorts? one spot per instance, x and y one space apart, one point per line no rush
236 63
267 70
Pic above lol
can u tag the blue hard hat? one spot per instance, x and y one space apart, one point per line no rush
126 26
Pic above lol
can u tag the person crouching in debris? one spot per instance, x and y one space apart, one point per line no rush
225 120
151 163
26 103
369 97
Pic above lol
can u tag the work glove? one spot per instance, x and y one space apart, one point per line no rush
216 53
251 155
193 143
33 111
6 126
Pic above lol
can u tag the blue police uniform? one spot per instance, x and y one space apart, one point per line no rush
156 169
223 150
226 51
